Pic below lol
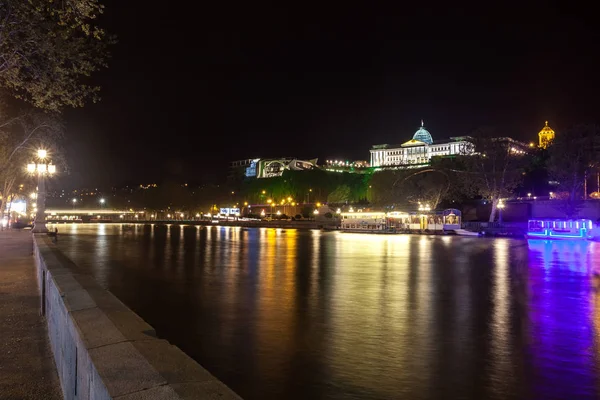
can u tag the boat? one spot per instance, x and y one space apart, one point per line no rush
423 221
556 229
365 222
464 232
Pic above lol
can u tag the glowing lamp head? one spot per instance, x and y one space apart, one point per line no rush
102 201
41 168
51 169
42 154
316 212
181 215
278 212
74 201
31 168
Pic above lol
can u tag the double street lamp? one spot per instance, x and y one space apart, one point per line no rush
41 167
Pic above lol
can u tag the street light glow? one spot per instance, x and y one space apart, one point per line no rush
102 201
42 154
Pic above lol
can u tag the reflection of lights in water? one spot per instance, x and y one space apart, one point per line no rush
501 371
560 313
571 254
369 306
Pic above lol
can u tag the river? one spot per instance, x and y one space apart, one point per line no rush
287 314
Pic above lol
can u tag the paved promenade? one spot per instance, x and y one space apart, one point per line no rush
27 369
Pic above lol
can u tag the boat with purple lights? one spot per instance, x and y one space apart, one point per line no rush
567 229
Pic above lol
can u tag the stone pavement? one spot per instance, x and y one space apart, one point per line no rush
27 369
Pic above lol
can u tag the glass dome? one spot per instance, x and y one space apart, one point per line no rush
423 135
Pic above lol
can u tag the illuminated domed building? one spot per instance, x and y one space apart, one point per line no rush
546 136
418 151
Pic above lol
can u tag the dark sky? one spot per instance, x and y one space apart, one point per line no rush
190 89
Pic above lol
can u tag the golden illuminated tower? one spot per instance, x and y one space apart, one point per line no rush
546 136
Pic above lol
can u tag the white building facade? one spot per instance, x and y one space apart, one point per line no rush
418 151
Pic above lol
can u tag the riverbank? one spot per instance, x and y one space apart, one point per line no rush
319 224
27 369
102 349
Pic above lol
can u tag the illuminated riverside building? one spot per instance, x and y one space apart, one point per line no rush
546 136
418 151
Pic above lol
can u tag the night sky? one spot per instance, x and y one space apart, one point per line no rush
190 89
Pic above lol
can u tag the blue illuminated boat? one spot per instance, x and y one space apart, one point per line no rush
570 229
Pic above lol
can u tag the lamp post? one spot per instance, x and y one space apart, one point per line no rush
41 167
500 208
102 201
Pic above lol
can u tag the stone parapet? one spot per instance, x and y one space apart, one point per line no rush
103 350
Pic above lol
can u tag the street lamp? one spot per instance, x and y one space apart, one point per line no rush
500 208
102 201
41 168
74 201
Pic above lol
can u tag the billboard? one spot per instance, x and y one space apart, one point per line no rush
275 167
17 206
251 170
230 211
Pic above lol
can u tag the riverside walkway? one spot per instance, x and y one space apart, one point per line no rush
27 369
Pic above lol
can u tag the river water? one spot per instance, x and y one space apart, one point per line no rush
287 314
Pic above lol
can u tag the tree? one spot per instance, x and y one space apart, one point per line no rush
340 194
572 156
495 169
19 137
428 186
48 50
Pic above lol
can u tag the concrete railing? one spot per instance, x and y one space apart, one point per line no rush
103 350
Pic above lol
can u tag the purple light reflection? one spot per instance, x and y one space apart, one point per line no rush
562 346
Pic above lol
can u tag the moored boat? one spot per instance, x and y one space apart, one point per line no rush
569 229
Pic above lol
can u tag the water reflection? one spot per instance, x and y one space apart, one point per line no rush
279 313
